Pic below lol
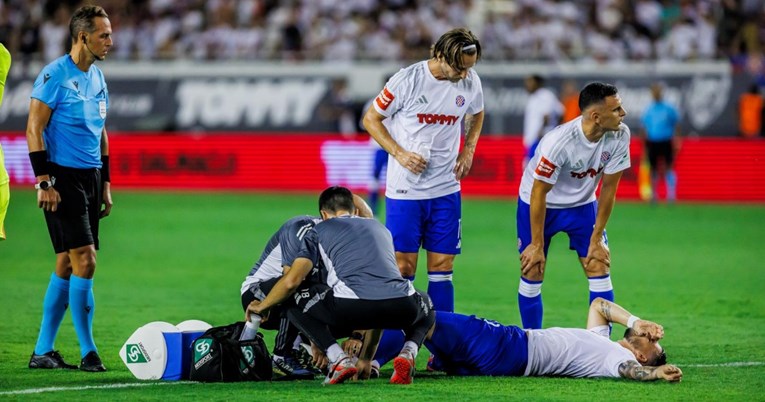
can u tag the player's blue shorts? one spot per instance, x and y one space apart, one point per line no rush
576 222
434 224
463 345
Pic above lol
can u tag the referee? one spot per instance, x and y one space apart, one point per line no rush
69 151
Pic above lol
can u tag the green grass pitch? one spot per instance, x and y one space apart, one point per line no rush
695 268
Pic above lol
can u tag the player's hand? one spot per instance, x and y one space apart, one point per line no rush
351 346
364 368
48 199
107 200
413 162
599 251
464 163
648 329
255 308
320 360
670 372
533 257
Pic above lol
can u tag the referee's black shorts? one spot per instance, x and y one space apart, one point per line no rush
660 150
75 222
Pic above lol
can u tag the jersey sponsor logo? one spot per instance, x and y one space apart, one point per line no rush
433 118
605 156
545 168
384 99
460 101
589 172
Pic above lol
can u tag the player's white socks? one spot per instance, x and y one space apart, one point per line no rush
529 288
411 348
335 353
600 286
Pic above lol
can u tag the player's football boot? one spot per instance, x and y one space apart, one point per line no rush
291 369
403 369
50 360
91 362
341 371
303 355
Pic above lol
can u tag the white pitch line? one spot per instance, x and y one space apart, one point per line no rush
149 384
731 364
87 387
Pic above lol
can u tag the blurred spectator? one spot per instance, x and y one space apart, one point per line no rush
750 112
661 129
569 96
400 30
542 113
340 109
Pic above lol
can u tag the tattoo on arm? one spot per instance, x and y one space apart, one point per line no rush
605 308
634 371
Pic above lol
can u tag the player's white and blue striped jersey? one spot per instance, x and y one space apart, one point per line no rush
575 165
574 352
468 345
79 102
425 116
280 250
357 254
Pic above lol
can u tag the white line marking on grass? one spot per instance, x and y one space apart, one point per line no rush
149 384
87 387
731 364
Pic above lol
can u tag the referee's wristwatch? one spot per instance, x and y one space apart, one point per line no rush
45 184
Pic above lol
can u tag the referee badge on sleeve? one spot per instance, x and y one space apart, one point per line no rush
102 108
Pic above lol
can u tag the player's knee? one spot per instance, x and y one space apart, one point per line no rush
407 268
441 266
440 262
596 268
407 263
534 275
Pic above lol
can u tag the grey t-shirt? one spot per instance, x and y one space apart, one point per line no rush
280 250
357 254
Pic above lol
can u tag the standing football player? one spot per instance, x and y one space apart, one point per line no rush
426 104
557 194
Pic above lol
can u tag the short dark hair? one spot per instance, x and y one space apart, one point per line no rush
538 79
83 20
336 198
595 92
453 44
658 359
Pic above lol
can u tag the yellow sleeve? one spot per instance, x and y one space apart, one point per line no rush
5 65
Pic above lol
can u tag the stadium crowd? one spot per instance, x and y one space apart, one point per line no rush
399 30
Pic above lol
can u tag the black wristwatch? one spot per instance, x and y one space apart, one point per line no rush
44 185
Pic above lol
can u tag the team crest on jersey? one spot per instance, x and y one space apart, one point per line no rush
384 99
605 156
460 101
